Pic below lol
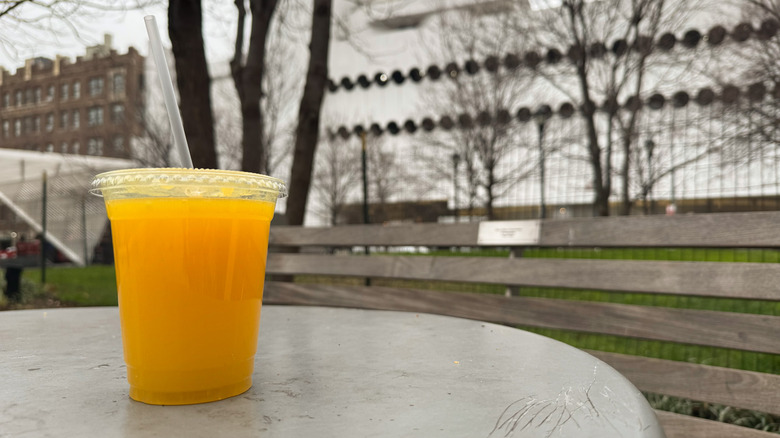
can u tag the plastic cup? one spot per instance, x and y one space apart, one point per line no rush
190 248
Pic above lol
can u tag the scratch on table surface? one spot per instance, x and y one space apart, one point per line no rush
571 404
288 392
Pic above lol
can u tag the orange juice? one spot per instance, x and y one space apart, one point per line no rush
190 276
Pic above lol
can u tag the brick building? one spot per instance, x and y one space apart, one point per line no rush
88 107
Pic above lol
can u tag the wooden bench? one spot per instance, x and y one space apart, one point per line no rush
730 330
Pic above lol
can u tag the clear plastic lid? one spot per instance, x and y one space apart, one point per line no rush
173 182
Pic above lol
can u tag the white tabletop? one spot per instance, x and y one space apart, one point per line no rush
322 372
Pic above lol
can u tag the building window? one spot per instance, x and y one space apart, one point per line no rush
96 86
117 113
119 84
76 119
50 147
37 124
118 143
64 148
18 95
95 146
49 122
64 120
95 116
17 127
50 93
64 92
76 90
76 146
28 125
6 100
6 128
28 96
37 95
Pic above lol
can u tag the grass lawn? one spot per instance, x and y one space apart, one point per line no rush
90 286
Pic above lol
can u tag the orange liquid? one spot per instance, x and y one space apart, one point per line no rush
190 277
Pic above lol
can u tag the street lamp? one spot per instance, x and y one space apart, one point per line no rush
540 117
455 163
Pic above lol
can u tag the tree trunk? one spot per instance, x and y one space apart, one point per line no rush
489 206
192 77
308 129
601 173
630 134
601 201
625 206
490 198
248 79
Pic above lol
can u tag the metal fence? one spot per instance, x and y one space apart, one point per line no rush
705 150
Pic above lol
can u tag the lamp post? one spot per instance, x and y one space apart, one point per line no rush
364 171
366 218
540 117
455 163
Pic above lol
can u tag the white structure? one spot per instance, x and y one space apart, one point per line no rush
76 220
401 35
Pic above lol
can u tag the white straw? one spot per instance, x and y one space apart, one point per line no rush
179 138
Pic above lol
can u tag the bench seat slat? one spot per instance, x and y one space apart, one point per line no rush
730 387
684 426
712 279
718 329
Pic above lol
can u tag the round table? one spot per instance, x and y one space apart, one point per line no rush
323 372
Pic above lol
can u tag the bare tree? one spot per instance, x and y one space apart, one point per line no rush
308 130
248 69
760 118
29 24
388 176
336 177
277 109
597 75
745 109
652 163
185 28
227 122
436 151
480 103
154 146
385 176
282 90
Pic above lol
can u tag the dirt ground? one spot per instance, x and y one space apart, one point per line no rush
38 302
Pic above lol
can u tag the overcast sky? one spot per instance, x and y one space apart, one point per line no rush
127 29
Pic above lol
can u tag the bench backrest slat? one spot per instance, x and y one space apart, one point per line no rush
717 329
716 279
744 230
735 230
375 235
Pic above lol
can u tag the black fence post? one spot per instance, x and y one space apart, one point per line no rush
43 231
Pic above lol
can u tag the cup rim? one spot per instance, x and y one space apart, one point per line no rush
172 176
